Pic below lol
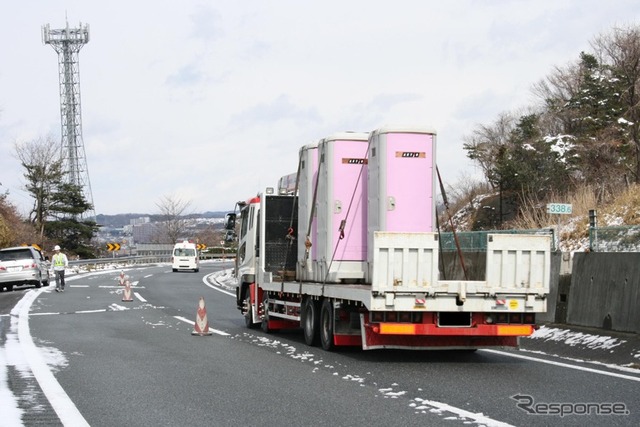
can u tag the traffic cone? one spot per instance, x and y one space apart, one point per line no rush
201 326
121 277
126 294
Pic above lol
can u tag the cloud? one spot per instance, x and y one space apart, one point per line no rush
186 76
280 108
213 99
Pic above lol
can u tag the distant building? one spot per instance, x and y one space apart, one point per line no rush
144 232
138 221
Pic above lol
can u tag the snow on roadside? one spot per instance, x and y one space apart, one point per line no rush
11 413
573 338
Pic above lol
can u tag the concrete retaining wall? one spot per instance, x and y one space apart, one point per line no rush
605 291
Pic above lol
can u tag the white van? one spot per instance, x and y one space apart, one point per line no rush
185 257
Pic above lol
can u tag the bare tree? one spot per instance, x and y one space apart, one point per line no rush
42 162
555 91
621 50
174 223
485 142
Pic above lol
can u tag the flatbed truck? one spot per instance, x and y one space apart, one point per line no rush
348 252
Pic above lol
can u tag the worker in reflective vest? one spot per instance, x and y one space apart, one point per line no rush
60 263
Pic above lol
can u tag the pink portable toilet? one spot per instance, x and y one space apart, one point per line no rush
401 180
307 223
342 196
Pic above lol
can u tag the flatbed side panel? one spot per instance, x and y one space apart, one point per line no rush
406 262
519 262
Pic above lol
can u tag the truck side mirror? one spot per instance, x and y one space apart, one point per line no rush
230 221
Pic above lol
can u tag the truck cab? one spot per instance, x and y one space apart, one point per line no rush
265 241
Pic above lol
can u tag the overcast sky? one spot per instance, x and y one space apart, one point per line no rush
209 101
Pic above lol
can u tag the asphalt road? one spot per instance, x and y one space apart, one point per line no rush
114 363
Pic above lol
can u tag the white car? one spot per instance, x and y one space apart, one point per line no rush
22 265
185 257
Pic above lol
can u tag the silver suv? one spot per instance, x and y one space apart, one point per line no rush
23 265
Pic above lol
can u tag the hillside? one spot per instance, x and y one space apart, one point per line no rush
617 210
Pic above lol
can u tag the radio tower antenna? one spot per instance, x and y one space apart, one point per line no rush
67 42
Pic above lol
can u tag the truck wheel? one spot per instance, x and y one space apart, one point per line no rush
248 320
310 321
326 325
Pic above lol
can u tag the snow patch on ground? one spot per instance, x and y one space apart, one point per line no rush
573 338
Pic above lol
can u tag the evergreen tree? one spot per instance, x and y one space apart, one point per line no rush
528 165
66 224
598 102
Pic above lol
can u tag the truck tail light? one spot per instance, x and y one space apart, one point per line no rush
377 316
502 318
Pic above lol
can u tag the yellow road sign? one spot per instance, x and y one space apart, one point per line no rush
113 246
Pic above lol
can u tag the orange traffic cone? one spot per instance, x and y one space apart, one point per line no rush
126 294
121 277
201 326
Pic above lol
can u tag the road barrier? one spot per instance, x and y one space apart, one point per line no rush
119 262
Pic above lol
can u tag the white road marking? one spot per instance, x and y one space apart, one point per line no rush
102 310
191 322
564 365
478 418
139 297
58 398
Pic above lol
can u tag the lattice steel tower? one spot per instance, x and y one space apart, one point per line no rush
67 42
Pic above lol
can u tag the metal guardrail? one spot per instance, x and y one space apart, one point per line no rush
126 260
100 263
